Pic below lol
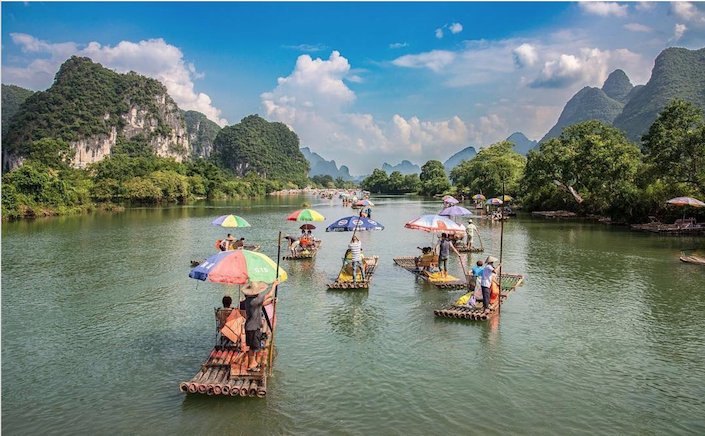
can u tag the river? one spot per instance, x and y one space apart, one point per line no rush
100 323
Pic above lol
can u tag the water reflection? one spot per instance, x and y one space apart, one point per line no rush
351 315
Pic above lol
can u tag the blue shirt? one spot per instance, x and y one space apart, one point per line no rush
477 270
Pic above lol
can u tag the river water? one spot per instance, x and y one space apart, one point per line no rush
100 323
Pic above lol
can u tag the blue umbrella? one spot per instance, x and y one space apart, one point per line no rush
349 223
454 211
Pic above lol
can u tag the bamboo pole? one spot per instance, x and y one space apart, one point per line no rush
274 308
501 252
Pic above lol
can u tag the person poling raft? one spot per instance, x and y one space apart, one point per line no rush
357 270
243 352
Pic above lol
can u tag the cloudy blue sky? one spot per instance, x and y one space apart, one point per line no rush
361 83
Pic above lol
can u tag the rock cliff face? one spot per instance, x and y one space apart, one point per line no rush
201 133
166 133
93 108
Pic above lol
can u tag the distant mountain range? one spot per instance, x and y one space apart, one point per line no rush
677 73
323 167
405 167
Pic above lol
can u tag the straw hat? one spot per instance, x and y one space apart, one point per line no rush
491 259
470 221
254 288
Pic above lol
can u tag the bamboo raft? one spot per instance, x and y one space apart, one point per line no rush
463 248
225 373
670 229
306 253
697 260
345 281
409 263
555 214
509 284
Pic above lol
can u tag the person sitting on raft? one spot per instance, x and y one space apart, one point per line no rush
226 244
240 243
306 240
255 300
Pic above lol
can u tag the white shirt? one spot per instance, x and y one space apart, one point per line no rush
487 276
470 229
355 251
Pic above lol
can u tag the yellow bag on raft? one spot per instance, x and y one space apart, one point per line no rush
463 300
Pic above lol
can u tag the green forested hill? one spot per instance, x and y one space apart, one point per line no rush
12 97
85 100
201 132
256 145
588 104
677 73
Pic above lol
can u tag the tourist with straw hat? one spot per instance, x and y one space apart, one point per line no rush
488 274
470 229
255 300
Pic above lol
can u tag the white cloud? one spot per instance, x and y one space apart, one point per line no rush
439 33
589 66
638 27
678 31
306 47
604 9
645 6
398 45
525 55
455 28
434 60
689 12
153 58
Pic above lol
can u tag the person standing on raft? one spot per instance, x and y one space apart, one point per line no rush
355 247
470 229
255 300
488 276
444 253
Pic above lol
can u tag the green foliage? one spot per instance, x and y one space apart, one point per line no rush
53 153
678 73
85 100
433 178
323 181
201 132
675 145
395 183
376 182
137 146
12 98
269 149
486 172
142 190
593 158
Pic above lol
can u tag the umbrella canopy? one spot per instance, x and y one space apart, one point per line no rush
349 223
494 201
479 197
305 215
364 203
307 227
507 198
230 221
454 211
434 223
686 201
450 200
237 268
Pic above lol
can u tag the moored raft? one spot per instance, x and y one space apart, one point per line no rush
463 248
345 279
509 284
411 264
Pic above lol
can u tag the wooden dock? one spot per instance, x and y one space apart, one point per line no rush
345 279
509 284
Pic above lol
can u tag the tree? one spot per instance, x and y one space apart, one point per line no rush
675 145
596 160
53 153
492 167
433 178
376 182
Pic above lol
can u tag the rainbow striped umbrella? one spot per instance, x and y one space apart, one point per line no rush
686 201
230 221
479 197
494 201
237 268
305 215
434 223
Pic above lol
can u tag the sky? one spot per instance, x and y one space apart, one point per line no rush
361 83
